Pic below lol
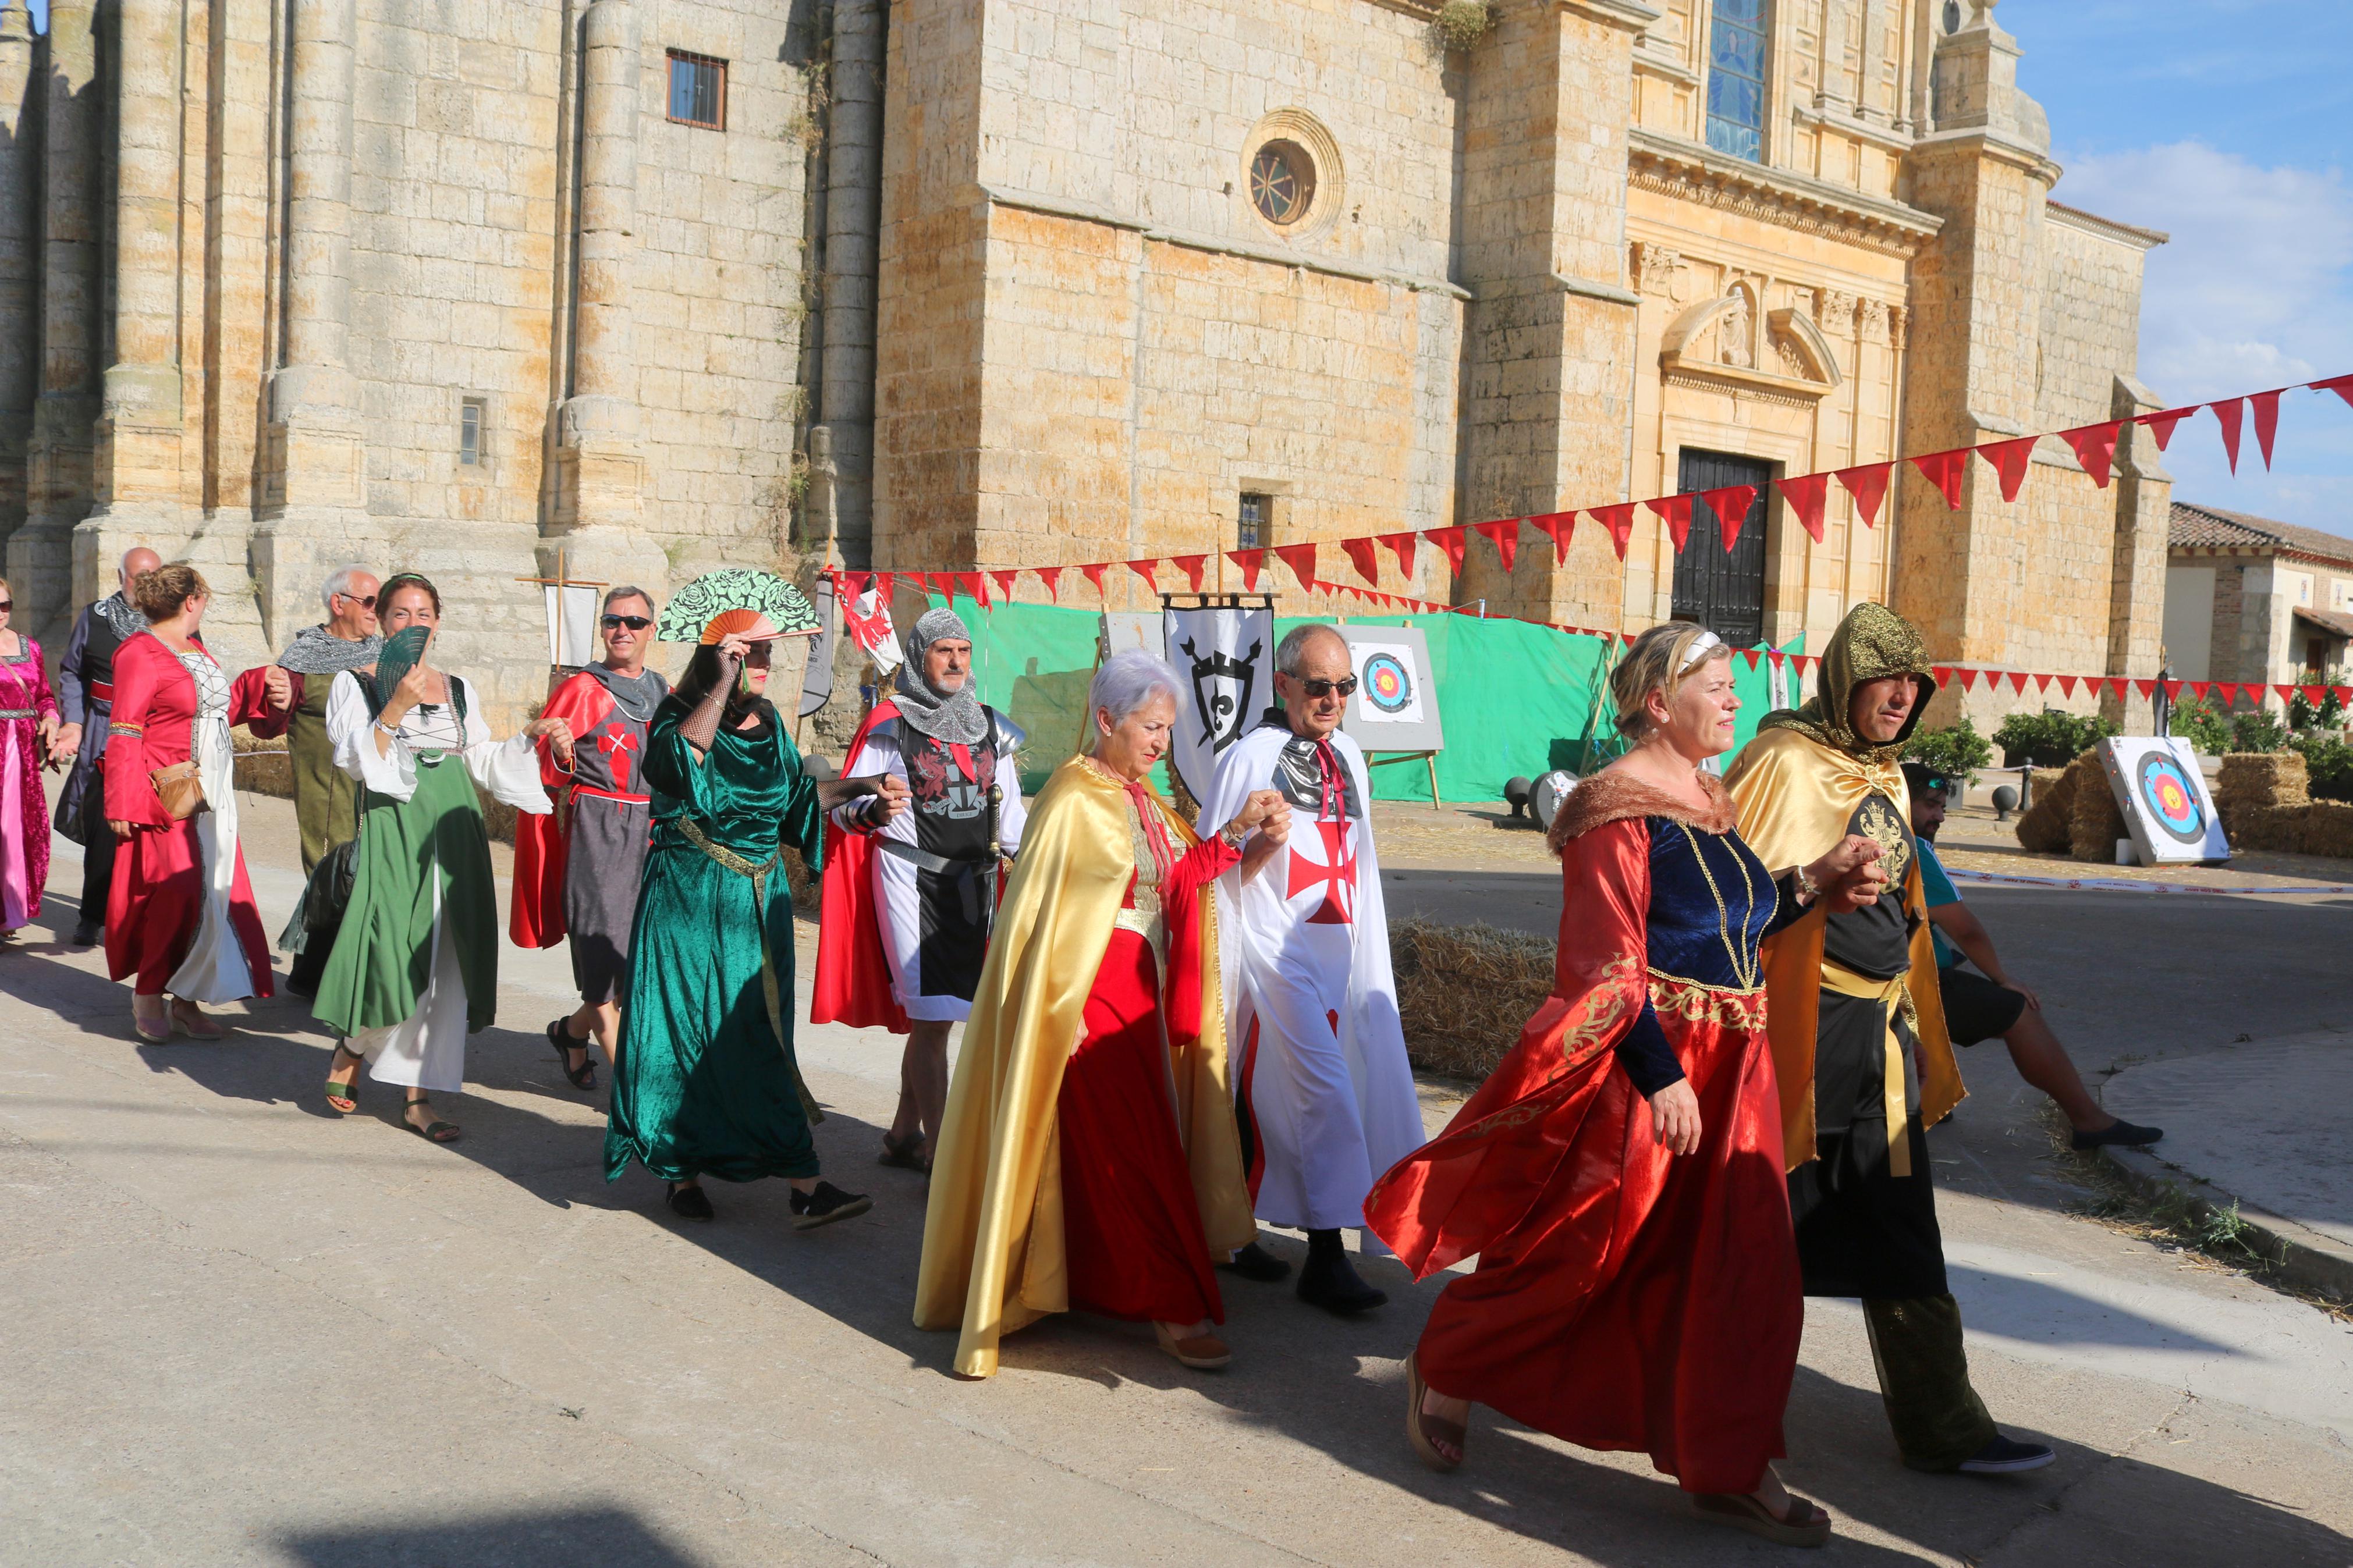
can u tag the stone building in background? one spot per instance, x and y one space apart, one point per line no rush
945 284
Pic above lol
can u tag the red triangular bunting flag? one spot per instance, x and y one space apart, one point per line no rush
1619 521
885 584
1359 553
1944 674
1868 485
851 584
2267 422
2116 689
2315 695
1676 510
2143 687
2010 459
1003 581
1403 546
2095 448
2228 413
2343 694
2042 683
975 586
1774 656
1751 655
2172 691
1806 494
2342 386
2017 681
1250 561
1731 506
1191 566
1559 527
2226 692
1944 470
1052 577
1148 569
2068 683
1094 574
1450 540
2162 422
1505 537
1301 559
1968 679
2285 692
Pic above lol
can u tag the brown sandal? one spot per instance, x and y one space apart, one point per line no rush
1803 1525
1426 1432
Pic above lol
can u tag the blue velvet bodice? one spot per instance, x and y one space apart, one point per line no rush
1685 929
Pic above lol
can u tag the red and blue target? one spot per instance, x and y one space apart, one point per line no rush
2170 798
1388 687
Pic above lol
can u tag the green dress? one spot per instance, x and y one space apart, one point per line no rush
707 1084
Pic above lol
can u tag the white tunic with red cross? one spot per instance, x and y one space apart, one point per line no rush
1322 1087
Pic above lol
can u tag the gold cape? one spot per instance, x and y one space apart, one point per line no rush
1798 785
993 1260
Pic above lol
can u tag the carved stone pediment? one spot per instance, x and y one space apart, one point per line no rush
1722 341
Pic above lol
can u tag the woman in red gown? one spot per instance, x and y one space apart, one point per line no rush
181 917
1088 1159
1619 1175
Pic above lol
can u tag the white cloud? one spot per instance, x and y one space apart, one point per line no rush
2256 289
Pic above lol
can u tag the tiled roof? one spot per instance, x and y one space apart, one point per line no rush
2336 622
2210 528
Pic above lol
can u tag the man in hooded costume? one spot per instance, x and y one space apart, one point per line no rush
1859 1039
908 906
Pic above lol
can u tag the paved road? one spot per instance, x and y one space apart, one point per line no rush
242 1331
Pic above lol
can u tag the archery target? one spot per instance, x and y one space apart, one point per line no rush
2169 798
1388 686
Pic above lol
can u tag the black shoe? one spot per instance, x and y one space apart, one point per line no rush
690 1203
88 934
1332 1283
1255 1262
559 1035
2129 1134
826 1204
2006 1457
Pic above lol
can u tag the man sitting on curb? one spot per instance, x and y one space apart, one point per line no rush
1979 1006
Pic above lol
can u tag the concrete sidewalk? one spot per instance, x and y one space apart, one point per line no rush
241 1330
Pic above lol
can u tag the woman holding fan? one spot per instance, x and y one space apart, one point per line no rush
415 964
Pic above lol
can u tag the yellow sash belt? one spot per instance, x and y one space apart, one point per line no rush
1894 998
771 991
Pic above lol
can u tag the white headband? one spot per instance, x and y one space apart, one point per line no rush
1702 646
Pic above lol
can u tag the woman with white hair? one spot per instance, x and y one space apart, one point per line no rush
1088 1158
1619 1175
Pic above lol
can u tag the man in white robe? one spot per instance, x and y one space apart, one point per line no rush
1322 1088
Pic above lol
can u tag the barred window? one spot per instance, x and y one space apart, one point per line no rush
1249 529
697 91
1735 80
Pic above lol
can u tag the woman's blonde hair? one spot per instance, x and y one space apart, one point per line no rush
1659 661
159 594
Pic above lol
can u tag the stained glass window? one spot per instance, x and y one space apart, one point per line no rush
1735 80
1281 183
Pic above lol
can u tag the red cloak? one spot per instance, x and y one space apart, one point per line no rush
853 974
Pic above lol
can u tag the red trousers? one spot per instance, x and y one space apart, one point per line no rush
1131 1225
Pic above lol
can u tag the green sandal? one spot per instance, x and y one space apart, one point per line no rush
340 1098
434 1131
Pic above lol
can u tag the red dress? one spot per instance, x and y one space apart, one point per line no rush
1626 1298
158 897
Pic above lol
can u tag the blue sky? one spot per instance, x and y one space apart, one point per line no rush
2223 122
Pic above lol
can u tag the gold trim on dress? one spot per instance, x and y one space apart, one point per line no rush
1696 1002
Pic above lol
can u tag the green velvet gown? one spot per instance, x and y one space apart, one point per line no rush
707 1084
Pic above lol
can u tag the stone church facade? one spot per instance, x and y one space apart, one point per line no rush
649 285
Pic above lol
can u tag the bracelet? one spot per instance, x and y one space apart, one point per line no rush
1234 834
1808 889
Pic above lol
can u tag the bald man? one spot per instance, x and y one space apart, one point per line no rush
86 694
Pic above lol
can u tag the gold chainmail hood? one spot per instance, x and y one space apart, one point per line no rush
1872 643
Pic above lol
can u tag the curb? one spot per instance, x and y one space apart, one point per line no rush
2298 1256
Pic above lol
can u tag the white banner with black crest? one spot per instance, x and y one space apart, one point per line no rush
1225 659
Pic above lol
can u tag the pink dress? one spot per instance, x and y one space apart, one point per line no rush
25 701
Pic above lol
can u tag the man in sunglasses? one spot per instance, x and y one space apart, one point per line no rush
1322 1087
86 698
577 871
326 799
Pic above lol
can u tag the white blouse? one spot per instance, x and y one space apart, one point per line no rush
506 769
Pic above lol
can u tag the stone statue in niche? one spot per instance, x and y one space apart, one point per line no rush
1734 344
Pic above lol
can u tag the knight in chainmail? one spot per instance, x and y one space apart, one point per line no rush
917 895
86 699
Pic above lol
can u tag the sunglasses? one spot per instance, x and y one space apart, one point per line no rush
1346 686
635 623
6 606
365 602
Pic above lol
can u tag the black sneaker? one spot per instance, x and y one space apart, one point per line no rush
1334 1284
1255 1262
2129 1134
2006 1457
825 1203
690 1203
88 934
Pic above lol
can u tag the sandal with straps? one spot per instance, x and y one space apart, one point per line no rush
904 1154
434 1131
1427 1432
340 1098
585 1075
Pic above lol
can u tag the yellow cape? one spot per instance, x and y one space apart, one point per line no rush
1796 797
993 1260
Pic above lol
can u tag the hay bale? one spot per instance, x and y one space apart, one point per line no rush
2262 778
1463 992
2328 827
2095 821
2281 829
2044 828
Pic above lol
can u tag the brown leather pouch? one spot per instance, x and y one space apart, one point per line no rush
180 789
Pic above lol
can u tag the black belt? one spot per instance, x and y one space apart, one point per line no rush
969 874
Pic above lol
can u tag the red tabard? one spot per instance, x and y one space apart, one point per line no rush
1625 1299
543 840
852 984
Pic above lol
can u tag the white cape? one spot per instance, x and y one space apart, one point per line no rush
1321 1081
